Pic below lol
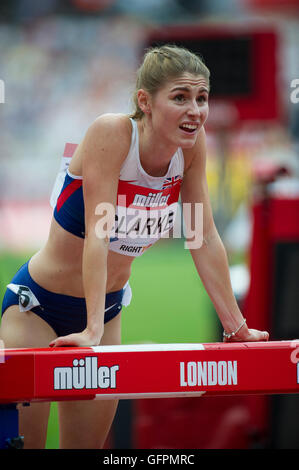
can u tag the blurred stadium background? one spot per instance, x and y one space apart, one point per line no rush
63 63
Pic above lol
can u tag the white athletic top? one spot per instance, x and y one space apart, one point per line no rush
146 205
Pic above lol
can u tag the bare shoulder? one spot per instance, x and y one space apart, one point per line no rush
106 142
112 121
197 154
110 130
103 151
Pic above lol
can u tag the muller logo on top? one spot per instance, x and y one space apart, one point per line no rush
132 195
151 200
158 198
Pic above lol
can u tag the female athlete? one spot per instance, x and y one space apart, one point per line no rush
71 292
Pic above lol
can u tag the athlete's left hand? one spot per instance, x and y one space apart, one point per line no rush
248 334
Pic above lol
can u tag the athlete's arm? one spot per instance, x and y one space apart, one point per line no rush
103 151
210 256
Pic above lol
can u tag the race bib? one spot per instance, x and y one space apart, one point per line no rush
27 299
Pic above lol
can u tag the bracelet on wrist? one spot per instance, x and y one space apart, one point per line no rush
233 333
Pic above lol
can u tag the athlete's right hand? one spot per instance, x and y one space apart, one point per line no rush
84 338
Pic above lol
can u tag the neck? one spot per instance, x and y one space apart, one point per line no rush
155 154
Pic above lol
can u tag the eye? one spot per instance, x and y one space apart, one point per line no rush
202 99
180 98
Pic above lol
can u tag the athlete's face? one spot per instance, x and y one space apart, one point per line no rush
180 108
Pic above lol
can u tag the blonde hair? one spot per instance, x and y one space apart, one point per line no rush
161 64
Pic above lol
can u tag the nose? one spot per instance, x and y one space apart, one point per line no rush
198 112
194 109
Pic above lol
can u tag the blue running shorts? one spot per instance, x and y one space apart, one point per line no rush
64 313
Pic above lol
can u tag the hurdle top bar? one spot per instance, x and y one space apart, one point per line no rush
149 370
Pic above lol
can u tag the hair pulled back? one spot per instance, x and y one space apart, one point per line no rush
164 63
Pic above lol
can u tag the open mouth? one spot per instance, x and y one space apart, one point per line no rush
189 128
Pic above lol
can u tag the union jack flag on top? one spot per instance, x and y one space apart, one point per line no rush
172 181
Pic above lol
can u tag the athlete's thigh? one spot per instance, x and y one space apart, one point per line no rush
86 424
27 330
112 331
24 329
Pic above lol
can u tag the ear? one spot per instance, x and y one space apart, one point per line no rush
144 101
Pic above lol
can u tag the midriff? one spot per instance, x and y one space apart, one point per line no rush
57 267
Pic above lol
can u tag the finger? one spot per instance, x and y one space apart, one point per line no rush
63 341
55 344
261 336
